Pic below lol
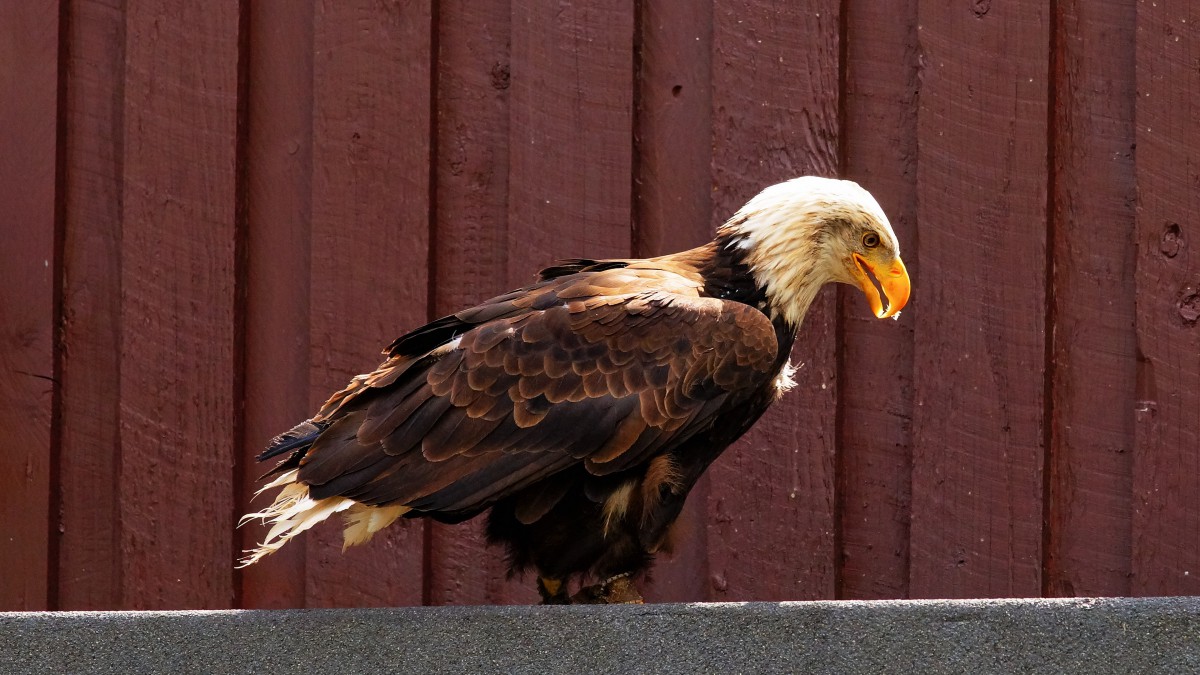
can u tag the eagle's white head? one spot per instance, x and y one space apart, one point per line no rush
808 231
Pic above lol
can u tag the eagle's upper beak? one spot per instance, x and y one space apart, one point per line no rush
893 278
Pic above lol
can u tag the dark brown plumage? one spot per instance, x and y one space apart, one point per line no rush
582 409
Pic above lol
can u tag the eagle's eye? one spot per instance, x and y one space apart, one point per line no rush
870 240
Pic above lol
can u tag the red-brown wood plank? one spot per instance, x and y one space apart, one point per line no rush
471 246
570 133
278 192
1166 480
775 116
674 129
979 337
674 212
875 383
370 249
89 543
28 168
1094 342
179 398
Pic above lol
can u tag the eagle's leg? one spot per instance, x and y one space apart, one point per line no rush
615 590
553 591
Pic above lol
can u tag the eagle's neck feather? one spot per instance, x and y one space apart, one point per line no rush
728 270
727 274
785 269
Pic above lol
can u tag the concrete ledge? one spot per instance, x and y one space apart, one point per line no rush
978 636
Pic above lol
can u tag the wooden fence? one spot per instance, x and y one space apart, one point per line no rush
214 213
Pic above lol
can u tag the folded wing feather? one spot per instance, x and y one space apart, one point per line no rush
607 367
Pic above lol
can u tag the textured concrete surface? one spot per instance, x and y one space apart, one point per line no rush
1004 636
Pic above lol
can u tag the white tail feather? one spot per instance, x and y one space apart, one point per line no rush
362 522
282 479
295 511
292 512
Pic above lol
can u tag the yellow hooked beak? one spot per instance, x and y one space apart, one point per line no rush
893 280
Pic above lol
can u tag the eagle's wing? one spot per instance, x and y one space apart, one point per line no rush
604 368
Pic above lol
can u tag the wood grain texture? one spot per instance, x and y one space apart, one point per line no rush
370 249
474 80
179 353
278 194
775 116
89 543
1166 480
875 383
979 341
570 134
1094 346
28 168
674 128
673 212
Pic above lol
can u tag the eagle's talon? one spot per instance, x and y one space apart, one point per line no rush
617 590
553 591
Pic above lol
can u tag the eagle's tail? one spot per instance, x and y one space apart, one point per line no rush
295 511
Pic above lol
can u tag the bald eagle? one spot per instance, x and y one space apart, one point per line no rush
580 410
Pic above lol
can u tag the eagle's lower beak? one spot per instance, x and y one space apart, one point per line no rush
893 280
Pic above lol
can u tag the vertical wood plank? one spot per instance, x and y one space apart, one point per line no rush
875 383
980 344
473 85
1094 342
674 128
278 194
1166 481
673 202
28 115
179 348
89 543
570 131
370 248
775 116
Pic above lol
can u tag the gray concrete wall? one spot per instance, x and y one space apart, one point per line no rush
1004 636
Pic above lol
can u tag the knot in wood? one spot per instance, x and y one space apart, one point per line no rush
1172 240
1189 305
501 76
